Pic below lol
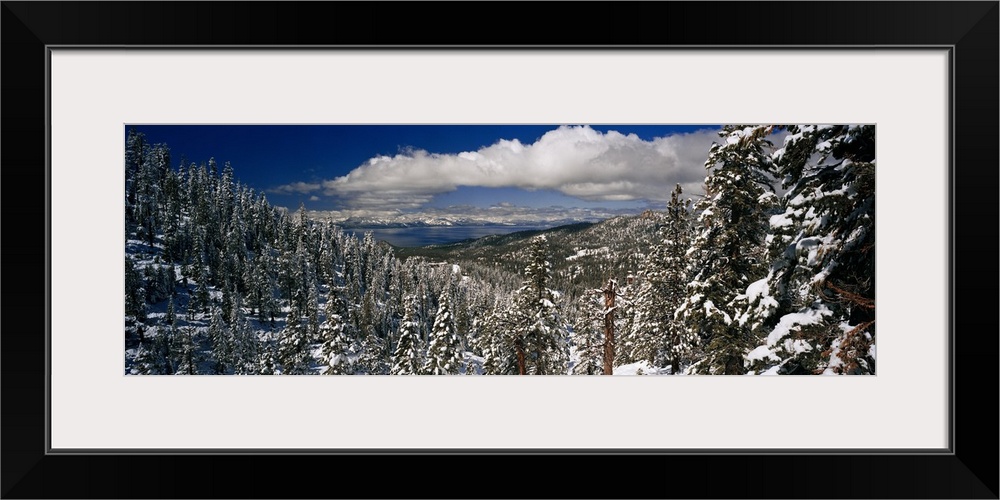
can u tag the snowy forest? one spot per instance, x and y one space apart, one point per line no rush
770 271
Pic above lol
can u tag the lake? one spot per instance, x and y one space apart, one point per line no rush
435 235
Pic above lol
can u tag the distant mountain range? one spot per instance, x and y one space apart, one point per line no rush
500 216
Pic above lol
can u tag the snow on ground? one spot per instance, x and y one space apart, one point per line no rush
585 252
477 363
640 368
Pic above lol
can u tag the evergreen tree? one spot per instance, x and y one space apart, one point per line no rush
245 343
263 283
186 350
631 343
681 341
588 335
267 358
338 337
293 346
372 360
153 356
500 341
222 346
312 307
816 306
662 336
408 356
165 340
727 251
135 146
444 354
135 300
541 338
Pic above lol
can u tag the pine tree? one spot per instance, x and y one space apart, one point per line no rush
201 299
338 337
262 283
222 345
245 343
165 341
293 346
135 146
541 340
267 358
588 335
816 306
372 360
662 336
500 340
186 350
727 251
408 356
631 343
135 300
153 356
444 356
681 341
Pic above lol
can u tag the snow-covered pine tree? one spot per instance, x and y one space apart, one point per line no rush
648 330
588 335
408 356
540 333
312 306
135 301
339 347
816 307
372 360
293 346
135 146
185 348
663 338
632 344
263 283
267 358
245 343
201 299
147 213
500 341
444 356
153 356
173 238
222 344
727 251
681 341
165 339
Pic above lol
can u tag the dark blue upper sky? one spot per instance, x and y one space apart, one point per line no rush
267 157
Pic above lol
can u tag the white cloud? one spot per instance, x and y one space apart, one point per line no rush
576 161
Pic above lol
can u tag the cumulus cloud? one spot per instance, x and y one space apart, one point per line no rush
576 161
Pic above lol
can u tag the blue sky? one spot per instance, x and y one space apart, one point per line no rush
411 168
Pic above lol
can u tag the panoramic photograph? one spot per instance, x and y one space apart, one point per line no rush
562 249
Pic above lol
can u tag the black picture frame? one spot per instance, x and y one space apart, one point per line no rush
970 29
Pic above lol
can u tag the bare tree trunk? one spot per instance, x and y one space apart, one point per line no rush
674 362
609 327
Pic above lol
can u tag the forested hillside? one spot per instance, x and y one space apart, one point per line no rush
740 280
